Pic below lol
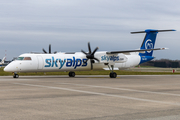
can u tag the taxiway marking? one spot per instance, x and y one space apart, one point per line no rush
123 89
97 93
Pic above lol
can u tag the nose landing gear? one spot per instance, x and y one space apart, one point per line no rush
15 75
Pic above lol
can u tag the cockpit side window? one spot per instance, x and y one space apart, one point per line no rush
27 58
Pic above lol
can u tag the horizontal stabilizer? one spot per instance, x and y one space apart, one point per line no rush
151 30
127 51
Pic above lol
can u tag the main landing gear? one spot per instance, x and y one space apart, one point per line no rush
71 74
15 75
112 74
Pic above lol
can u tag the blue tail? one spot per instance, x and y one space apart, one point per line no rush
148 43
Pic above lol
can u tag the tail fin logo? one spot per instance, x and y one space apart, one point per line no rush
149 45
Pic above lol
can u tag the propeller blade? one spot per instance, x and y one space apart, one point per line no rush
90 55
86 61
50 48
44 50
95 50
84 52
91 64
96 59
89 47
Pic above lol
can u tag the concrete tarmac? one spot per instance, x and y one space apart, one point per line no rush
141 97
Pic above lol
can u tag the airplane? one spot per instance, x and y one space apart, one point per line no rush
2 61
84 61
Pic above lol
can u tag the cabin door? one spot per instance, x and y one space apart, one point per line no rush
40 63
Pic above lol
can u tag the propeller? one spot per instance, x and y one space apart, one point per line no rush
49 50
90 55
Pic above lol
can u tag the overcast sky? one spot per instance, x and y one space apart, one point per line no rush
68 25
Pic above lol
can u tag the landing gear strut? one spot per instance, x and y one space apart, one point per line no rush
71 74
15 75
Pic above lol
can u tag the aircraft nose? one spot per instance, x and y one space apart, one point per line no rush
7 69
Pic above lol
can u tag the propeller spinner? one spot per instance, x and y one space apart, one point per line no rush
90 55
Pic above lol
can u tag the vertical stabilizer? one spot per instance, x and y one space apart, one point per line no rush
149 42
3 60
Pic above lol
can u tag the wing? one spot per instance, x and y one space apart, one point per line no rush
128 51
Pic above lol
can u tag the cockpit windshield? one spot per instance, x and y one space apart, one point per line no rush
20 58
23 58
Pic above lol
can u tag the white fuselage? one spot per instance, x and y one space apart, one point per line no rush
32 62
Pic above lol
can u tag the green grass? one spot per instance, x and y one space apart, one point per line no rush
119 72
146 66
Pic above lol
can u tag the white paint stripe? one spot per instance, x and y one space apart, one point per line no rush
20 89
124 89
157 85
18 79
103 94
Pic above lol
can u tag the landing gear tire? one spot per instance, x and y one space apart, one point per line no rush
71 74
15 76
112 75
